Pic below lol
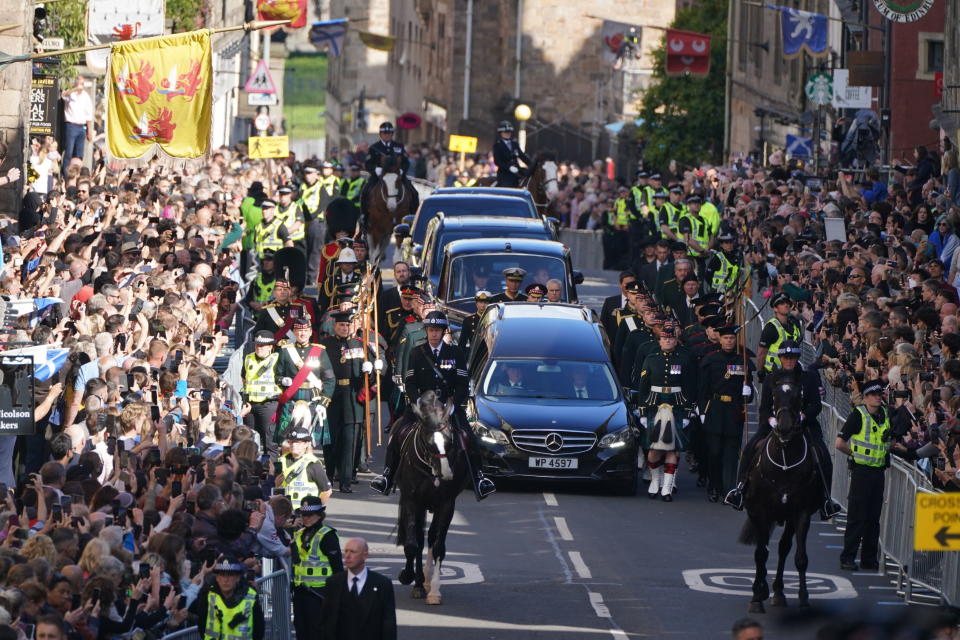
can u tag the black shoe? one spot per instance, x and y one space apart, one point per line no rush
354 481
829 509
667 498
381 484
734 498
713 495
848 565
345 488
485 487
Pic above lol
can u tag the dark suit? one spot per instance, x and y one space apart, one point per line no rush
370 616
649 274
608 316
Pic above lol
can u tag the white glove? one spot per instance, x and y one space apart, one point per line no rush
378 171
321 412
747 391
643 421
772 421
286 381
378 364
703 418
367 366
514 170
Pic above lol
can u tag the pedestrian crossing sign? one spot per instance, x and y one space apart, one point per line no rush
260 81
268 146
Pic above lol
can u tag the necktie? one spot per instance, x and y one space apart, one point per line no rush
354 590
580 393
436 352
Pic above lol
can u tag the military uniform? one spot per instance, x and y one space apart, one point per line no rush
315 555
261 391
346 413
316 388
469 327
278 319
632 334
723 379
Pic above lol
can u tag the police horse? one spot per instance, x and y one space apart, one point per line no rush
431 473
389 200
784 488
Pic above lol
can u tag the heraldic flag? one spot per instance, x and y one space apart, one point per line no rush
688 53
159 103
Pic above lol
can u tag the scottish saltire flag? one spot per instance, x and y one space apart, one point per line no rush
799 146
47 361
802 30
329 34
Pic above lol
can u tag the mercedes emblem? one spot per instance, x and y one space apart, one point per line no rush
553 442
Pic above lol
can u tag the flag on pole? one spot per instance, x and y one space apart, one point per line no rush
329 34
159 97
119 20
802 30
47 361
376 41
293 10
688 53
620 41
799 146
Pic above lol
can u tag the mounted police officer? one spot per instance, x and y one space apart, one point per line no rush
810 392
315 554
386 146
260 388
440 367
782 326
723 269
506 154
725 388
301 472
229 608
305 375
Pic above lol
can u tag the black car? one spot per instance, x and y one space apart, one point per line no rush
410 234
477 264
444 229
546 402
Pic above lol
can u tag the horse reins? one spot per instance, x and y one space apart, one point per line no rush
783 453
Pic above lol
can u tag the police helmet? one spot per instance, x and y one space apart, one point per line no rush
386 127
436 319
789 348
504 126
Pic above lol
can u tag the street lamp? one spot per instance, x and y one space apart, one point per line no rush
522 113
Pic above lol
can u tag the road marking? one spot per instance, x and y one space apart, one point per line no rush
596 601
737 582
581 567
831 535
563 528
550 499
618 634
552 541
451 572
894 603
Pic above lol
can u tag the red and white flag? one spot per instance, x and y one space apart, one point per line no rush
688 53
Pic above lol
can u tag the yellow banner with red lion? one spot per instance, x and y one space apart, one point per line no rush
159 98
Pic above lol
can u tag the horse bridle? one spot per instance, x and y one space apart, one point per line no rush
421 457
400 191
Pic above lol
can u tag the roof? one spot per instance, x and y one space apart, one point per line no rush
498 245
495 191
560 331
495 222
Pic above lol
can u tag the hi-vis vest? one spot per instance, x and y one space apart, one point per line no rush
230 623
620 212
639 198
295 480
648 192
259 381
710 215
772 360
313 569
330 184
310 198
669 215
354 187
294 226
265 236
868 447
699 231
726 276
262 291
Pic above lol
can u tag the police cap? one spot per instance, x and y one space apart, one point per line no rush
229 565
285 189
268 254
642 174
504 126
661 193
789 348
779 299
263 338
299 433
342 316
268 204
874 386
725 236
386 127
310 169
514 273
676 189
311 505
694 198
655 176
435 319
482 296
327 164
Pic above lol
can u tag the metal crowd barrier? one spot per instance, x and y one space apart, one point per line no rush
190 633
921 577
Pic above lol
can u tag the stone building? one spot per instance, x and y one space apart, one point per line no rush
949 108
14 98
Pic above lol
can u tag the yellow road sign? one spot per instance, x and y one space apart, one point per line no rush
268 146
463 144
937 522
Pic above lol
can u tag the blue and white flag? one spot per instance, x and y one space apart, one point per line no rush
799 146
329 35
802 30
47 361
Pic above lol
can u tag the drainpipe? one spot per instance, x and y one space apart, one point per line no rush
467 63
516 80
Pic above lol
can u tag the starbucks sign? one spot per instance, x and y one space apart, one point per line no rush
903 10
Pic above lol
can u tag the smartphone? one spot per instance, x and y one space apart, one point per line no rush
95 595
211 468
75 602
154 220
124 457
111 445
249 505
178 358
935 395
154 412
56 512
279 491
144 570
227 450
176 488
182 602
110 239
277 468
66 503
131 381
204 408
206 394
194 410
164 592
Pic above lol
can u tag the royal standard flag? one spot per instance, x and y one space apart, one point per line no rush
159 101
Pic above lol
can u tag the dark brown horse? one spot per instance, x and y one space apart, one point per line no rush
391 198
784 488
541 181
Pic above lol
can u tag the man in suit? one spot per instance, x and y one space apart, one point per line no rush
359 603
582 387
608 316
670 293
649 273
684 305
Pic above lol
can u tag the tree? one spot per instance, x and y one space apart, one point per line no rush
186 15
683 116
67 19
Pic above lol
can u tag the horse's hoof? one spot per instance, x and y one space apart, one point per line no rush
778 601
434 599
756 607
418 593
405 577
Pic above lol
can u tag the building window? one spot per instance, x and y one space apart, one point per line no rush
929 55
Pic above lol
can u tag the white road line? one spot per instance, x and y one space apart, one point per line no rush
581 567
550 499
563 528
596 601
830 535
618 634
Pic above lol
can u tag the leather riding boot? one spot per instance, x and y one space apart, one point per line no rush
384 482
830 507
734 497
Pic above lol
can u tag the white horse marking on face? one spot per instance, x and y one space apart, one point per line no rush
445 471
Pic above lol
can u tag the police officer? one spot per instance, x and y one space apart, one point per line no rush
305 374
315 554
278 316
617 253
506 154
271 233
725 388
329 184
261 289
668 217
513 278
353 184
667 389
346 412
782 326
289 211
464 180
386 146
229 608
481 299
867 438
310 206
301 472
810 392
694 230
260 388
723 269
440 367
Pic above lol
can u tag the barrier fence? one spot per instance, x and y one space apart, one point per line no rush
921 577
